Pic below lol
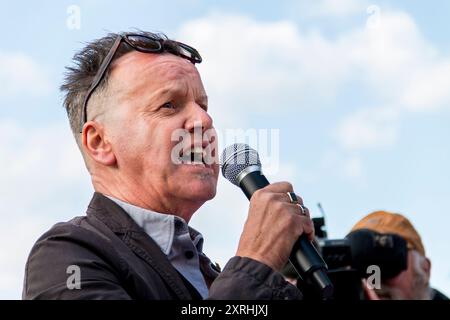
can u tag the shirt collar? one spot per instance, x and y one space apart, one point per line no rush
161 227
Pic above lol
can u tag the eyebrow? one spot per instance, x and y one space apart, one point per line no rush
174 91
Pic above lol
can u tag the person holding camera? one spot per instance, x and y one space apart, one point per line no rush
413 281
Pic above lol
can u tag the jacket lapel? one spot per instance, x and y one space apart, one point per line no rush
115 218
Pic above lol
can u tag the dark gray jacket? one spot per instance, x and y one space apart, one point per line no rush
118 260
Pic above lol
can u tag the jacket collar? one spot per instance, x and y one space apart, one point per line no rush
119 222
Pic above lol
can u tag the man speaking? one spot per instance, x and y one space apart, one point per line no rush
125 97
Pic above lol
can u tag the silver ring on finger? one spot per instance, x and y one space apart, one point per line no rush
292 197
303 208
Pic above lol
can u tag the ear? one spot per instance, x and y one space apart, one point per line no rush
426 266
97 145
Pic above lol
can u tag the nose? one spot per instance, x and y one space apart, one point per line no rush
198 118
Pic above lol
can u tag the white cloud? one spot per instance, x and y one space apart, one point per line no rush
269 66
20 74
331 8
35 156
275 66
401 70
368 128
344 165
17 239
354 168
385 52
41 185
428 88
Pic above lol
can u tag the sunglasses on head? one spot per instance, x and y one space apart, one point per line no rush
142 43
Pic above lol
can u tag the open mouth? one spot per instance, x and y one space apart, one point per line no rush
194 156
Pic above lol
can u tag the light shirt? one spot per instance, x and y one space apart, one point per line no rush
181 244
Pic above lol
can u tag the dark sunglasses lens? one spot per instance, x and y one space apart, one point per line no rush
144 43
189 53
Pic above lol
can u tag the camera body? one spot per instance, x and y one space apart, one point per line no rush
355 257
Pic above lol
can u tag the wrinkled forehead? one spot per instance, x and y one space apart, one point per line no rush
137 68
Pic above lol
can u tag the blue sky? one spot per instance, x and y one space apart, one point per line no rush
357 89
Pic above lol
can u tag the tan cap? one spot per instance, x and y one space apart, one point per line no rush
388 222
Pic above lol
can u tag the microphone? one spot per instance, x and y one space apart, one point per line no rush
242 167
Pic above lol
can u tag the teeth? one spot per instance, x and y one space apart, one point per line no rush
197 150
196 157
193 156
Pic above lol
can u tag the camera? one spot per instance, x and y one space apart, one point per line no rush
361 254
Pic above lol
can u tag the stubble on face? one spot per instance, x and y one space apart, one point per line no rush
411 284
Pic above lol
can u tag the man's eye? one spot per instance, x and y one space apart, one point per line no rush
168 105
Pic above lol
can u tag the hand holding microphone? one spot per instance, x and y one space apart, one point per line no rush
273 224
278 227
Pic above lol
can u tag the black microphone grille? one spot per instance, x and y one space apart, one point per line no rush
235 158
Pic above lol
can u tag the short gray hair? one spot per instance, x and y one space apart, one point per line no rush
78 78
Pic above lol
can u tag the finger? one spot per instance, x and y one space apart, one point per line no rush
275 197
309 228
306 211
305 226
370 293
280 187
